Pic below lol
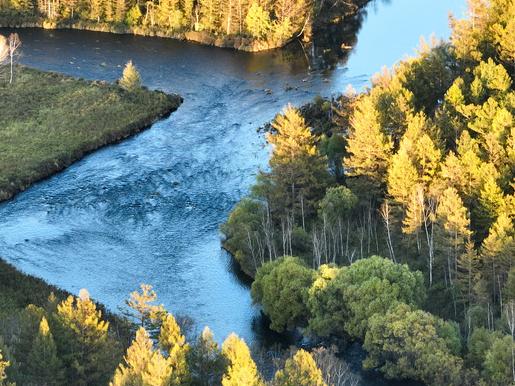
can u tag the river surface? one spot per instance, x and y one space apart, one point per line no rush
148 210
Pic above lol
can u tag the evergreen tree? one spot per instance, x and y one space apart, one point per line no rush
368 147
44 367
298 176
301 370
257 21
88 353
131 81
241 369
143 366
143 302
120 11
206 361
174 343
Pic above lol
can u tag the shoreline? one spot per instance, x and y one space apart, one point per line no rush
238 43
57 163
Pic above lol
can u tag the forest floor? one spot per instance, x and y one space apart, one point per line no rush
49 120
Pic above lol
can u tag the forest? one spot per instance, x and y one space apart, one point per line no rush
241 24
386 217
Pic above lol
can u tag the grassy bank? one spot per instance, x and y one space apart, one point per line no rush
49 121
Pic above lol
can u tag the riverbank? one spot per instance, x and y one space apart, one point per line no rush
49 121
244 34
240 43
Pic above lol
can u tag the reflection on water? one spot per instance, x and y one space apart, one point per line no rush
148 209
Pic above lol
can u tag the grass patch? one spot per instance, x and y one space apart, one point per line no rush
49 120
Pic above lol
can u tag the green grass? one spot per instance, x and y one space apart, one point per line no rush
48 121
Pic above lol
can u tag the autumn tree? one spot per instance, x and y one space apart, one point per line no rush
145 309
174 344
143 365
130 79
241 369
300 370
84 345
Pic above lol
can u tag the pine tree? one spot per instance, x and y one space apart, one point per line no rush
44 367
174 343
120 11
87 351
95 10
131 81
210 14
498 251
301 370
257 21
241 369
206 360
298 176
143 366
454 226
368 147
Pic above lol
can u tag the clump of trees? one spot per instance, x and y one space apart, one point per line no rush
420 169
69 342
273 22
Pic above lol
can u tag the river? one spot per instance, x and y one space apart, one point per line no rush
148 210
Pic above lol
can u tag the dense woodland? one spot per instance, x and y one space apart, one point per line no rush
49 337
384 217
419 169
268 23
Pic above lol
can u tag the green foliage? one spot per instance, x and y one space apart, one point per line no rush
44 367
134 15
407 344
300 370
206 361
498 361
373 286
281 287
73 117
241 230
337 203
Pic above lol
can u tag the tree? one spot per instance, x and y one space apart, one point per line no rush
373 286
120 11
143 365
130 79
14 44
368 146
241 369
210 14
301 370
88 353
326 303
206 361
134 15
144 307
454 223
44 367
498 361
174 343
298 175
411 344
257 21
281 287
